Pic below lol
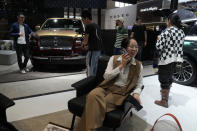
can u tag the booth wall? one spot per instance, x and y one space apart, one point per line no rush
127 13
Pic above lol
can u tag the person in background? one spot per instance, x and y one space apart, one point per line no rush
92 43
122 33
139 33
170 49
4 34
122 77
21 33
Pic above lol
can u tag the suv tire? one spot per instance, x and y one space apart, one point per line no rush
186 74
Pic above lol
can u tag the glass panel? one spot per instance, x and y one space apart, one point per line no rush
193 31
117 4
63 23
121 4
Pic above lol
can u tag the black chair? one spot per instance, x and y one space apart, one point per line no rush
76 105
5 103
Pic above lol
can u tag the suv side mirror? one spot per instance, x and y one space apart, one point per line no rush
37 27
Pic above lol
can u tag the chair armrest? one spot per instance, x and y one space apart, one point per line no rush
5 102
135 103
85 85
130 99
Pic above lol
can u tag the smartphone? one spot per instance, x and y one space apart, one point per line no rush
124 51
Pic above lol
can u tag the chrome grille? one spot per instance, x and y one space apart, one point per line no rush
56 41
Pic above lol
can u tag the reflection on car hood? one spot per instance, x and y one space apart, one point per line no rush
58 32
194 38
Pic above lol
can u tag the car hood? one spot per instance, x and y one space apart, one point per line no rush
58 32
193 38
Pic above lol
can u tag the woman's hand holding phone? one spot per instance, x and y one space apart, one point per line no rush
125 55
125 59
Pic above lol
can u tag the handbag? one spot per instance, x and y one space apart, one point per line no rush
167 125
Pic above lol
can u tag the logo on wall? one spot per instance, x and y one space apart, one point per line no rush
148 9
117 16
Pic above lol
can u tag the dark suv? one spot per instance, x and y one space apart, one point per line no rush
59 42
187 73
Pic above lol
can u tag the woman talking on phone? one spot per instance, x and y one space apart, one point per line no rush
122 77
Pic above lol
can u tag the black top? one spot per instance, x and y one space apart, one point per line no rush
139 32
94 40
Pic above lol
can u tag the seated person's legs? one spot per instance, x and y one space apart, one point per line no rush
94 112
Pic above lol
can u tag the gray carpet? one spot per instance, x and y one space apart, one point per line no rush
39 86
32 88
64 118
17 76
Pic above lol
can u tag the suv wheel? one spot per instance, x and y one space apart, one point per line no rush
186 73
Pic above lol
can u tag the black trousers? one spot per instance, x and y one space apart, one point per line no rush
22 49
165 73
140 50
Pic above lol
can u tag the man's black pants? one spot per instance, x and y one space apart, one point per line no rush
165 73
22 49
140 50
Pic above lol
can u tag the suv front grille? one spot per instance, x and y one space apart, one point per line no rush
56 41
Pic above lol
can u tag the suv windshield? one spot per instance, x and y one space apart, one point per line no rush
193 31
69 24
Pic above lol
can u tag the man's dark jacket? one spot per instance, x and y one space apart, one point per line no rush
15 30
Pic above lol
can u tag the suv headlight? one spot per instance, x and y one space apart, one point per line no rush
78 40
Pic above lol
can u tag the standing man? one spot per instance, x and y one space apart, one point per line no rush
21 33
122 33
92 42
140 35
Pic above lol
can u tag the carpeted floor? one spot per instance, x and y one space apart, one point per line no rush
64 118
39 87
37 74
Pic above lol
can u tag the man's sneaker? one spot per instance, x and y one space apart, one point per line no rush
27 70
22 71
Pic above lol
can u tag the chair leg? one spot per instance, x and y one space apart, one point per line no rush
114 129
131 114
73 122
3 118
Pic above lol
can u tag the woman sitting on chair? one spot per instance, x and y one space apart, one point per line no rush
123 76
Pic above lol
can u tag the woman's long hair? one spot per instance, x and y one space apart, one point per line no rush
175 20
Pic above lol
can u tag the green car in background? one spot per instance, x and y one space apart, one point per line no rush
186 74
